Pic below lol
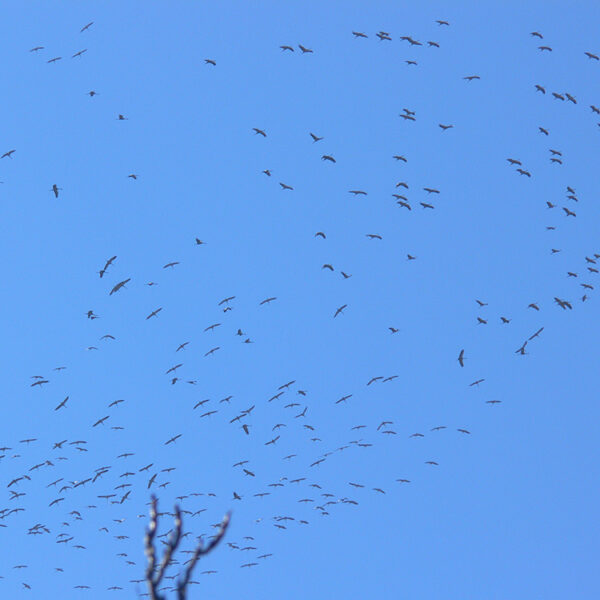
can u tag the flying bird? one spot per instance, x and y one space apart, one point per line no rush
107 264
119 285
521 350
536 333
63 403
564 304
339 310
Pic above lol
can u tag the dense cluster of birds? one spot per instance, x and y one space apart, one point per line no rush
104 491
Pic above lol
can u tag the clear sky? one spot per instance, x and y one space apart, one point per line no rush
509 509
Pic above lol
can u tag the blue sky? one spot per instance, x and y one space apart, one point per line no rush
509 511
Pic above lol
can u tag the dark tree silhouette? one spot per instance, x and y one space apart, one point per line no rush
156 572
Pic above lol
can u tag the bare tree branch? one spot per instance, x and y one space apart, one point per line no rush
172 545
150 551
154 574
201 550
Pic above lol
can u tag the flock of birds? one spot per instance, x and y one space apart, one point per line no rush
103 491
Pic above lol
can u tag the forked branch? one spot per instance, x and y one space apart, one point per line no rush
154 573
